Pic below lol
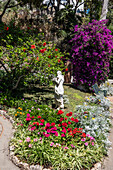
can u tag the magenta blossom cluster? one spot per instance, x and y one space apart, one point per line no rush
90 54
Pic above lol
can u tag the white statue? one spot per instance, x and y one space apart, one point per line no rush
59 90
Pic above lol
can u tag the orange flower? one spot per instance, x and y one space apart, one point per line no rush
33 46
37 58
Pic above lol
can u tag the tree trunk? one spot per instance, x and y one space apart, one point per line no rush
104 10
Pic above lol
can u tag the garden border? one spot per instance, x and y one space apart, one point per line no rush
26 166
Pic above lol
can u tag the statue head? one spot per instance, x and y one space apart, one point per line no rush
59 73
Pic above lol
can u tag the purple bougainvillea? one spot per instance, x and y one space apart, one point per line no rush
90 54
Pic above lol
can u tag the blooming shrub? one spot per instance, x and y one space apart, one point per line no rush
34 60
54 135
90 54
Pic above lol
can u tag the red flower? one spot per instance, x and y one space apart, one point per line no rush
59 125
7 28
56 49
42 120
48 65
69 122
53 124
44 44
61 119
24 50
39 117
69 129
60 112
34 123
69 114
65 118
43 50
72 119
33 46
37 123
64 124
55 56
49 56
83 135
76 120
59 61
28 28
66 69
32 117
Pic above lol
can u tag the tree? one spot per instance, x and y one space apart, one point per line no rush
104 10
8 4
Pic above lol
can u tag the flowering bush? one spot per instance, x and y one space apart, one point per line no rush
91 49
54 135
34 59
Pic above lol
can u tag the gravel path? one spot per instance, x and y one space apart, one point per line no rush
6 132
108 162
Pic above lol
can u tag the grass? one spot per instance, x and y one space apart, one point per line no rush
45 95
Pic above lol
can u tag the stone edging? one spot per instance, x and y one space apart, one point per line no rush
25 166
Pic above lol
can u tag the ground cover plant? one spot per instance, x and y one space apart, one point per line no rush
48 133
61 139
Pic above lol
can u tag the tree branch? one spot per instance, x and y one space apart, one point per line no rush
17 82
4 66
8 2
11 6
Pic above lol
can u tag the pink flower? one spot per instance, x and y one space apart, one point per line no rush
83 139
30 145
41 124
47 135
64 130
38 133
92 143
20 141
56 134
52 144
28 115
48 130
66 147
72 146
88 135
28 139
53 131
91 138
28 119
40 138
86 144
62 135
35 140
47 124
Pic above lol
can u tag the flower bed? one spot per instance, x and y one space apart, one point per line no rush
56 139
